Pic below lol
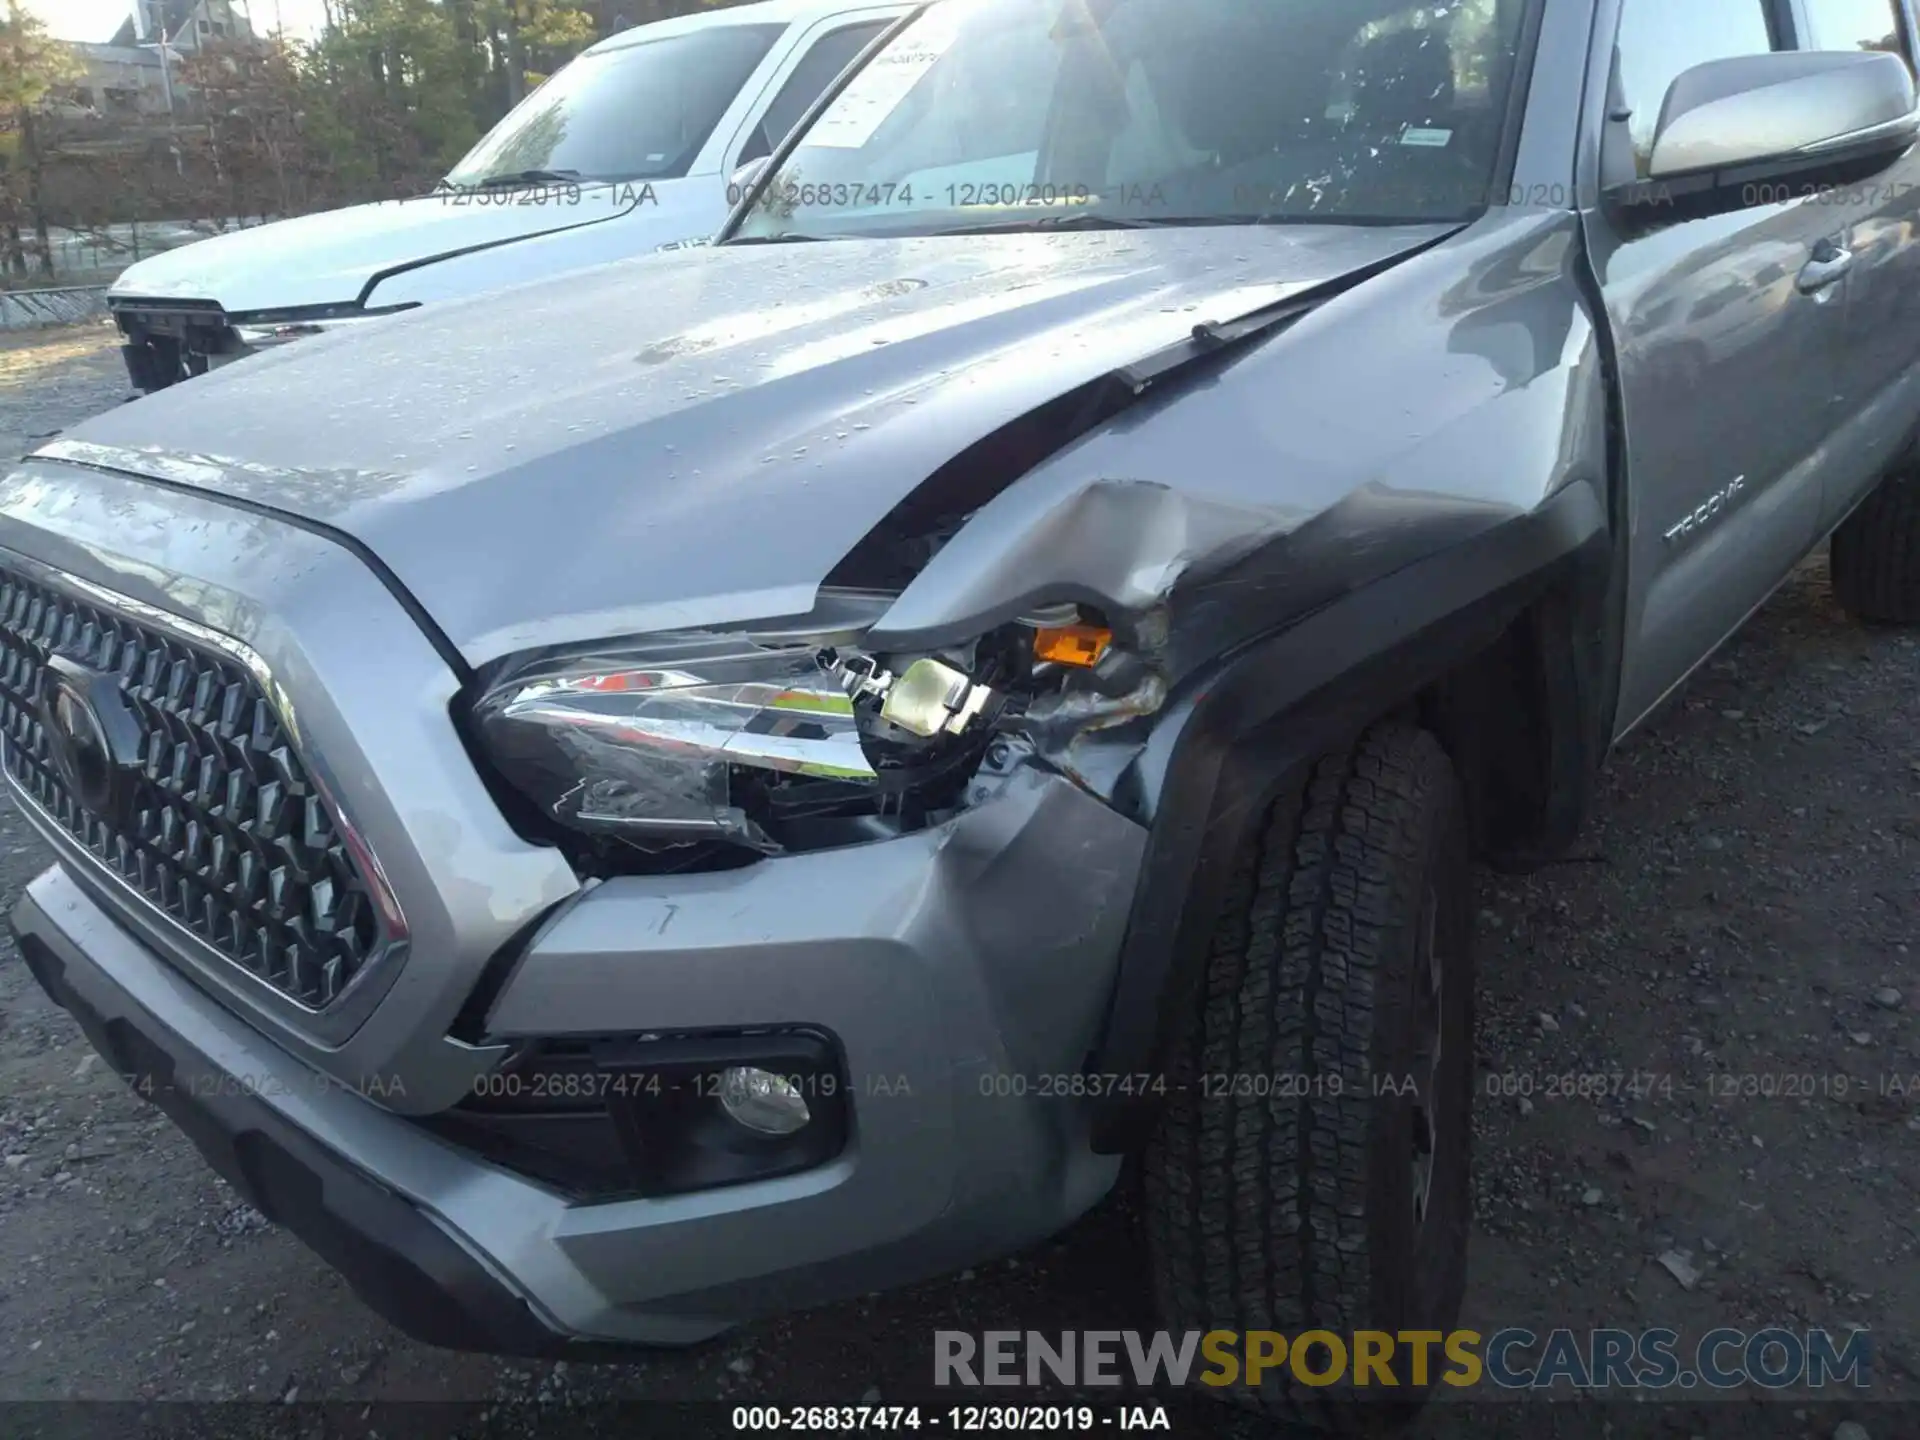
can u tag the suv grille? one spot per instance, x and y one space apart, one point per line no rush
224 830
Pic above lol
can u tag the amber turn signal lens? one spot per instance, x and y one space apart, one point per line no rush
1082 645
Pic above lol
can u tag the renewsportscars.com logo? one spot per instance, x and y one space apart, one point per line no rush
1508 1359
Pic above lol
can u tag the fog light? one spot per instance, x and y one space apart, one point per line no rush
762 1101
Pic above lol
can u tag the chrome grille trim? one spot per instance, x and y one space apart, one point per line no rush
254 933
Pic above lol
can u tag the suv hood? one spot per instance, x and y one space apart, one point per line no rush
693 438
331 258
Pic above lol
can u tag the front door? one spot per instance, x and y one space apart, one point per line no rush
1730 334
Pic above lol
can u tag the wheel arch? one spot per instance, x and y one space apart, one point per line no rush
1485 642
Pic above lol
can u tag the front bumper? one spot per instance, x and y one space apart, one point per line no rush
396 1257
958 971
165 341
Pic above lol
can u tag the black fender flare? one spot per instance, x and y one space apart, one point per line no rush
1220 755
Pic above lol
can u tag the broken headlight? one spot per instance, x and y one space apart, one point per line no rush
760 742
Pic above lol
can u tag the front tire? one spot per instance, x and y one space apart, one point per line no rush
1875 556
1310 1170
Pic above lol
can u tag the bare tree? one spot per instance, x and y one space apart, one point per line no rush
32 64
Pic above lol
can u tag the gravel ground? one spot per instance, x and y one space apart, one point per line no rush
1738 931
50 379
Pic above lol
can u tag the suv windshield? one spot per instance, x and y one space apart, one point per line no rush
640 112
1017 114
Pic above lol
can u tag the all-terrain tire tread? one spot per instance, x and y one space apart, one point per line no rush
1255 1204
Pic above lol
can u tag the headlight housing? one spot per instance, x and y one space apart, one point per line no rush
265 337
265 329
682 744
660 743
257 336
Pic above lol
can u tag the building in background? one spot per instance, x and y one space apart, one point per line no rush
124 78
188 24
116 82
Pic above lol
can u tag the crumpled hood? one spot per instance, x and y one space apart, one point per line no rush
329 258
694 438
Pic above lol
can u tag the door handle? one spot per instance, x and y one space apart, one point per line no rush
1829 266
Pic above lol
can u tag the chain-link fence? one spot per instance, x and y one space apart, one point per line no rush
95 255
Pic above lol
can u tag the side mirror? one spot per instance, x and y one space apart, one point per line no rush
742 181
1759 129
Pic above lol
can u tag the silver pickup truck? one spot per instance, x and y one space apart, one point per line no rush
751 775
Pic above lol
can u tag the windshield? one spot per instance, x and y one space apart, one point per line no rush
998 114
641 112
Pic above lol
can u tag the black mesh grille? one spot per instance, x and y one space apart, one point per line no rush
226 833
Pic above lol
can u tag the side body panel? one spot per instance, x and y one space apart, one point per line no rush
1757 409
1725 444
1880 366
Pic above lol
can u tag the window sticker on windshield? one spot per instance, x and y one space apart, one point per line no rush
876 92
1416 135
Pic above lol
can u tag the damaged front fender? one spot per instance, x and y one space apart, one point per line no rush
1119 545
1447 399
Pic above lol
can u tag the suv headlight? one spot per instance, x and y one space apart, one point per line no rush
763 741
264 336
264 329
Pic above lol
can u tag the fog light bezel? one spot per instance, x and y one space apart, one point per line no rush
657 1098
664 1095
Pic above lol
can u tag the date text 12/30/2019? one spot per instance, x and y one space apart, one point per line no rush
953 1419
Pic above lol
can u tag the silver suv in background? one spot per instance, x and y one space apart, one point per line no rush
776 781
626 149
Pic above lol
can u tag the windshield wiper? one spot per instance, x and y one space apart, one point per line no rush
528 177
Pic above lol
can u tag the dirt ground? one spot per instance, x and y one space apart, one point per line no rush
1738 929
